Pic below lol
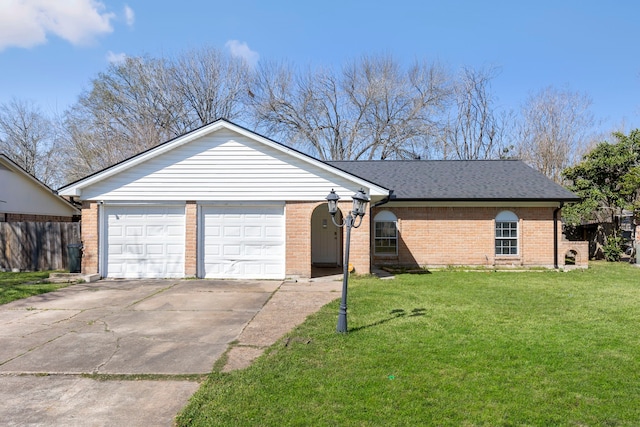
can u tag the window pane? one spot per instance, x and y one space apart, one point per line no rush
385 229
385 246
506 238
386 238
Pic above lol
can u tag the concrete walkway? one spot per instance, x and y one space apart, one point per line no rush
63 354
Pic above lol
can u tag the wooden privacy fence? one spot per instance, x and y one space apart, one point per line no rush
33 246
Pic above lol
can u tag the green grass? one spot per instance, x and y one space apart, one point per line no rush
14 286
450 349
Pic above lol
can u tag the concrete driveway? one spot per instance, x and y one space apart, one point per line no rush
164 327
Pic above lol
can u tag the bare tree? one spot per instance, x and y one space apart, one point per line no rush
28 137
129 108
142 102
211 85
474 129
555 130
370 109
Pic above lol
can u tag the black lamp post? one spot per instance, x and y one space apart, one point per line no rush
360 200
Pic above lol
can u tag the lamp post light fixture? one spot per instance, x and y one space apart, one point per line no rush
360 201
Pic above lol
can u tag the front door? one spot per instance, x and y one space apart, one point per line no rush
326 238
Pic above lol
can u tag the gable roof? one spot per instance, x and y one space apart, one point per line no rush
459 180
75 188
22 193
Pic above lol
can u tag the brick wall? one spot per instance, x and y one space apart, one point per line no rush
298 239
579 250
442 236
90 227
191 239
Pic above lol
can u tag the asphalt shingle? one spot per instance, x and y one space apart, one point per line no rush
458 179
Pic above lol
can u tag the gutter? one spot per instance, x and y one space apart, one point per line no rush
381 202
555 234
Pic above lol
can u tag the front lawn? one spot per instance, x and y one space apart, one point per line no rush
14 286
450 349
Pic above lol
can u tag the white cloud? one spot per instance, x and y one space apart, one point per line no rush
116 58
241 50
129 15
27 23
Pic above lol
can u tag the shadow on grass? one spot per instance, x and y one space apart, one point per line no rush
395 314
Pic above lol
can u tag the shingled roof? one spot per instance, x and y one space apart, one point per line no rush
458 180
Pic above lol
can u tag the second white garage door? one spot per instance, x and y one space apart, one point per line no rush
243 242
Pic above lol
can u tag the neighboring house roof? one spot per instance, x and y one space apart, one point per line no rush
22 193
459 180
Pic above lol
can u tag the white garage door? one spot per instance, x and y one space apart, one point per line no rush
243 242
145 241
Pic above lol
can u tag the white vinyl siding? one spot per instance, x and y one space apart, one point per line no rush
243 242
221 166
21 193
144 242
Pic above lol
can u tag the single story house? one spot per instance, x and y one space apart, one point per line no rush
225 202
25 198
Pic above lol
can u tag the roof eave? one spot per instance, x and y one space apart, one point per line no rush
480 199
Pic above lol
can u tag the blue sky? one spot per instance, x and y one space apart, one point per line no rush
50 50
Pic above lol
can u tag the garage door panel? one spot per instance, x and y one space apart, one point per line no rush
274 231
274 250
253 231
243 242
115 230
157 249
145 241
134 249
211 251
272 268
253 250
175 269
231 250
175 249
155 231
212 231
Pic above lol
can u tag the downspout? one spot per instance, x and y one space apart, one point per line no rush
555 234
371 225
381 202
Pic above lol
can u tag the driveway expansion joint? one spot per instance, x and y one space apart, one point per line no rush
142 361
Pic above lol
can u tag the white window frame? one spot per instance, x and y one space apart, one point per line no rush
389 218
507 230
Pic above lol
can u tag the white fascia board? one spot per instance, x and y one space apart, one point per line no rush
75 189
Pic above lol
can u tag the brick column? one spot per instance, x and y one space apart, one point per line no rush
90 230
360 249
191 239
298 238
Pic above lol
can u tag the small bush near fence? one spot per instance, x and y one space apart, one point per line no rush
33 246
